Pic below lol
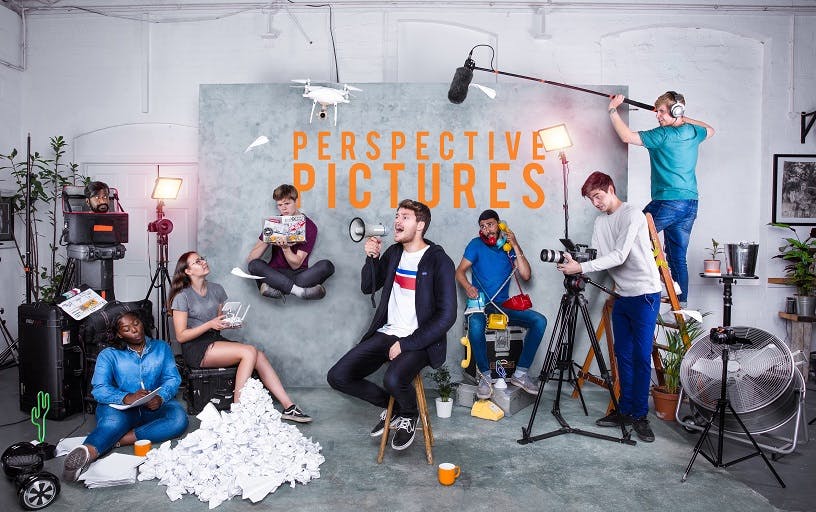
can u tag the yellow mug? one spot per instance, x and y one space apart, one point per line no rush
448 473
141 447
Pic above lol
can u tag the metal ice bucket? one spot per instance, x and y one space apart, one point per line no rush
741 258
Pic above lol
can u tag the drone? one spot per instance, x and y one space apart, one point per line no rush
325 96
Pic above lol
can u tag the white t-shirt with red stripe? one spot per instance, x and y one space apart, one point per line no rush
402 318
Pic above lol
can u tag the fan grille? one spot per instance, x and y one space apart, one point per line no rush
757 375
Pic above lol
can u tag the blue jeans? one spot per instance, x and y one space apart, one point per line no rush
633 324
535 322
675 219
166 422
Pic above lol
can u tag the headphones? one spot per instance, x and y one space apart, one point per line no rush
678 109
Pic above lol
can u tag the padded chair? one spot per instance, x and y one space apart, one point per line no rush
424 420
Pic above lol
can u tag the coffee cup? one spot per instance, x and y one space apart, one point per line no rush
141 447
448 473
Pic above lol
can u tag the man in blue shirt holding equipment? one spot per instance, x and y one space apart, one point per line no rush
491 268
673 148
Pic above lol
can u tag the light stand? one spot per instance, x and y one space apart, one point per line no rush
164 188
10 356
556 138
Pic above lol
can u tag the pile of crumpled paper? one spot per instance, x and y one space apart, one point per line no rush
247 450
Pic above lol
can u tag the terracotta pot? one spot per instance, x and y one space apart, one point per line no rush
712 267
665 403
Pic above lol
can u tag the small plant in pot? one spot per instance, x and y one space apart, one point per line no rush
444 403
712 265
671 356
800 256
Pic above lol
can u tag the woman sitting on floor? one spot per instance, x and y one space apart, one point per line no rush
196 309
136 365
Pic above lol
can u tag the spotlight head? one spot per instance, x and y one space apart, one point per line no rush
160 226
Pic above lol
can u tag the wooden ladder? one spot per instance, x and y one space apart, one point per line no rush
605 326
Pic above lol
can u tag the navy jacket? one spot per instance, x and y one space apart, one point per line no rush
435 298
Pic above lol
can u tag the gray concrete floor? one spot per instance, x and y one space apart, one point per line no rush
567 472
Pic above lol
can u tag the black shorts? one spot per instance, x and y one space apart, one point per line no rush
193 351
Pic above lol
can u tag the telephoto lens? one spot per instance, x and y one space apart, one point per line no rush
552 256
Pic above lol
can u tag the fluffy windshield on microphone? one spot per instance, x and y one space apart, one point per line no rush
459 85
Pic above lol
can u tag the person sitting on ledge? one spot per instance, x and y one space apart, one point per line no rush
288 270
198 321
124 373
97 196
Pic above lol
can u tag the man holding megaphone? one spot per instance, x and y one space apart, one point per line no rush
409 329
492 258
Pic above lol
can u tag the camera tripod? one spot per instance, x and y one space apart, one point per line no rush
719 416
160 282
559 357
9 357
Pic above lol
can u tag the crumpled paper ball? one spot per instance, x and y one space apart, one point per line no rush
247 450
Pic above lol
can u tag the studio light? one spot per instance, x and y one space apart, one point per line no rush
556 138
166 188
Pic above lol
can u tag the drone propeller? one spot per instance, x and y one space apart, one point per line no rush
352 88
305 81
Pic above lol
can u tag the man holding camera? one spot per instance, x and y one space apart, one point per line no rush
288 270
621 238
409 329
673 148
491 268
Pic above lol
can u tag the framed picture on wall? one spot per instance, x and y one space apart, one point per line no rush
794 189
6 220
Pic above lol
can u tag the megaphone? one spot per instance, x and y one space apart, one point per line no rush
358 230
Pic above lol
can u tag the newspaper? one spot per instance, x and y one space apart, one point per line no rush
284 228
80 303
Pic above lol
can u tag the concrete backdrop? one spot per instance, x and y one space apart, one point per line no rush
305 338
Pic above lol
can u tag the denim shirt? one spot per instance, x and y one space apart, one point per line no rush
120 372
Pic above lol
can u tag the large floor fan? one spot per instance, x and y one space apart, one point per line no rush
736 377
763 385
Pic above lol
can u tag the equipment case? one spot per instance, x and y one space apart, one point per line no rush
204 385
503 346
50 359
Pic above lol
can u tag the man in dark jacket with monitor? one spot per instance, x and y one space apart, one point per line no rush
409 329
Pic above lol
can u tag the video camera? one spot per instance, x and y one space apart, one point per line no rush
89 235
726 336
579 252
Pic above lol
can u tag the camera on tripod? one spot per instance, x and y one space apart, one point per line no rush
579 252
726 336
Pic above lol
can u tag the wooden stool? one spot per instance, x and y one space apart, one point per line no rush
422 405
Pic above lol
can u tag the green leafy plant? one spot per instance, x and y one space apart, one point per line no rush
671 355
800 255
715 249
442 377
48 176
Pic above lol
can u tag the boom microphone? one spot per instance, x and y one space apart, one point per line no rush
461 80
358 229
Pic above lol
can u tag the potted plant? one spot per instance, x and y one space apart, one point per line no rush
671 356
800 256
444 403
712 266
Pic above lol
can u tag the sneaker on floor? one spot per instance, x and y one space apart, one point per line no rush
380 426
268 291
643 430
75 463
404 432
484 389
525 382
613 419
293 413
315 292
